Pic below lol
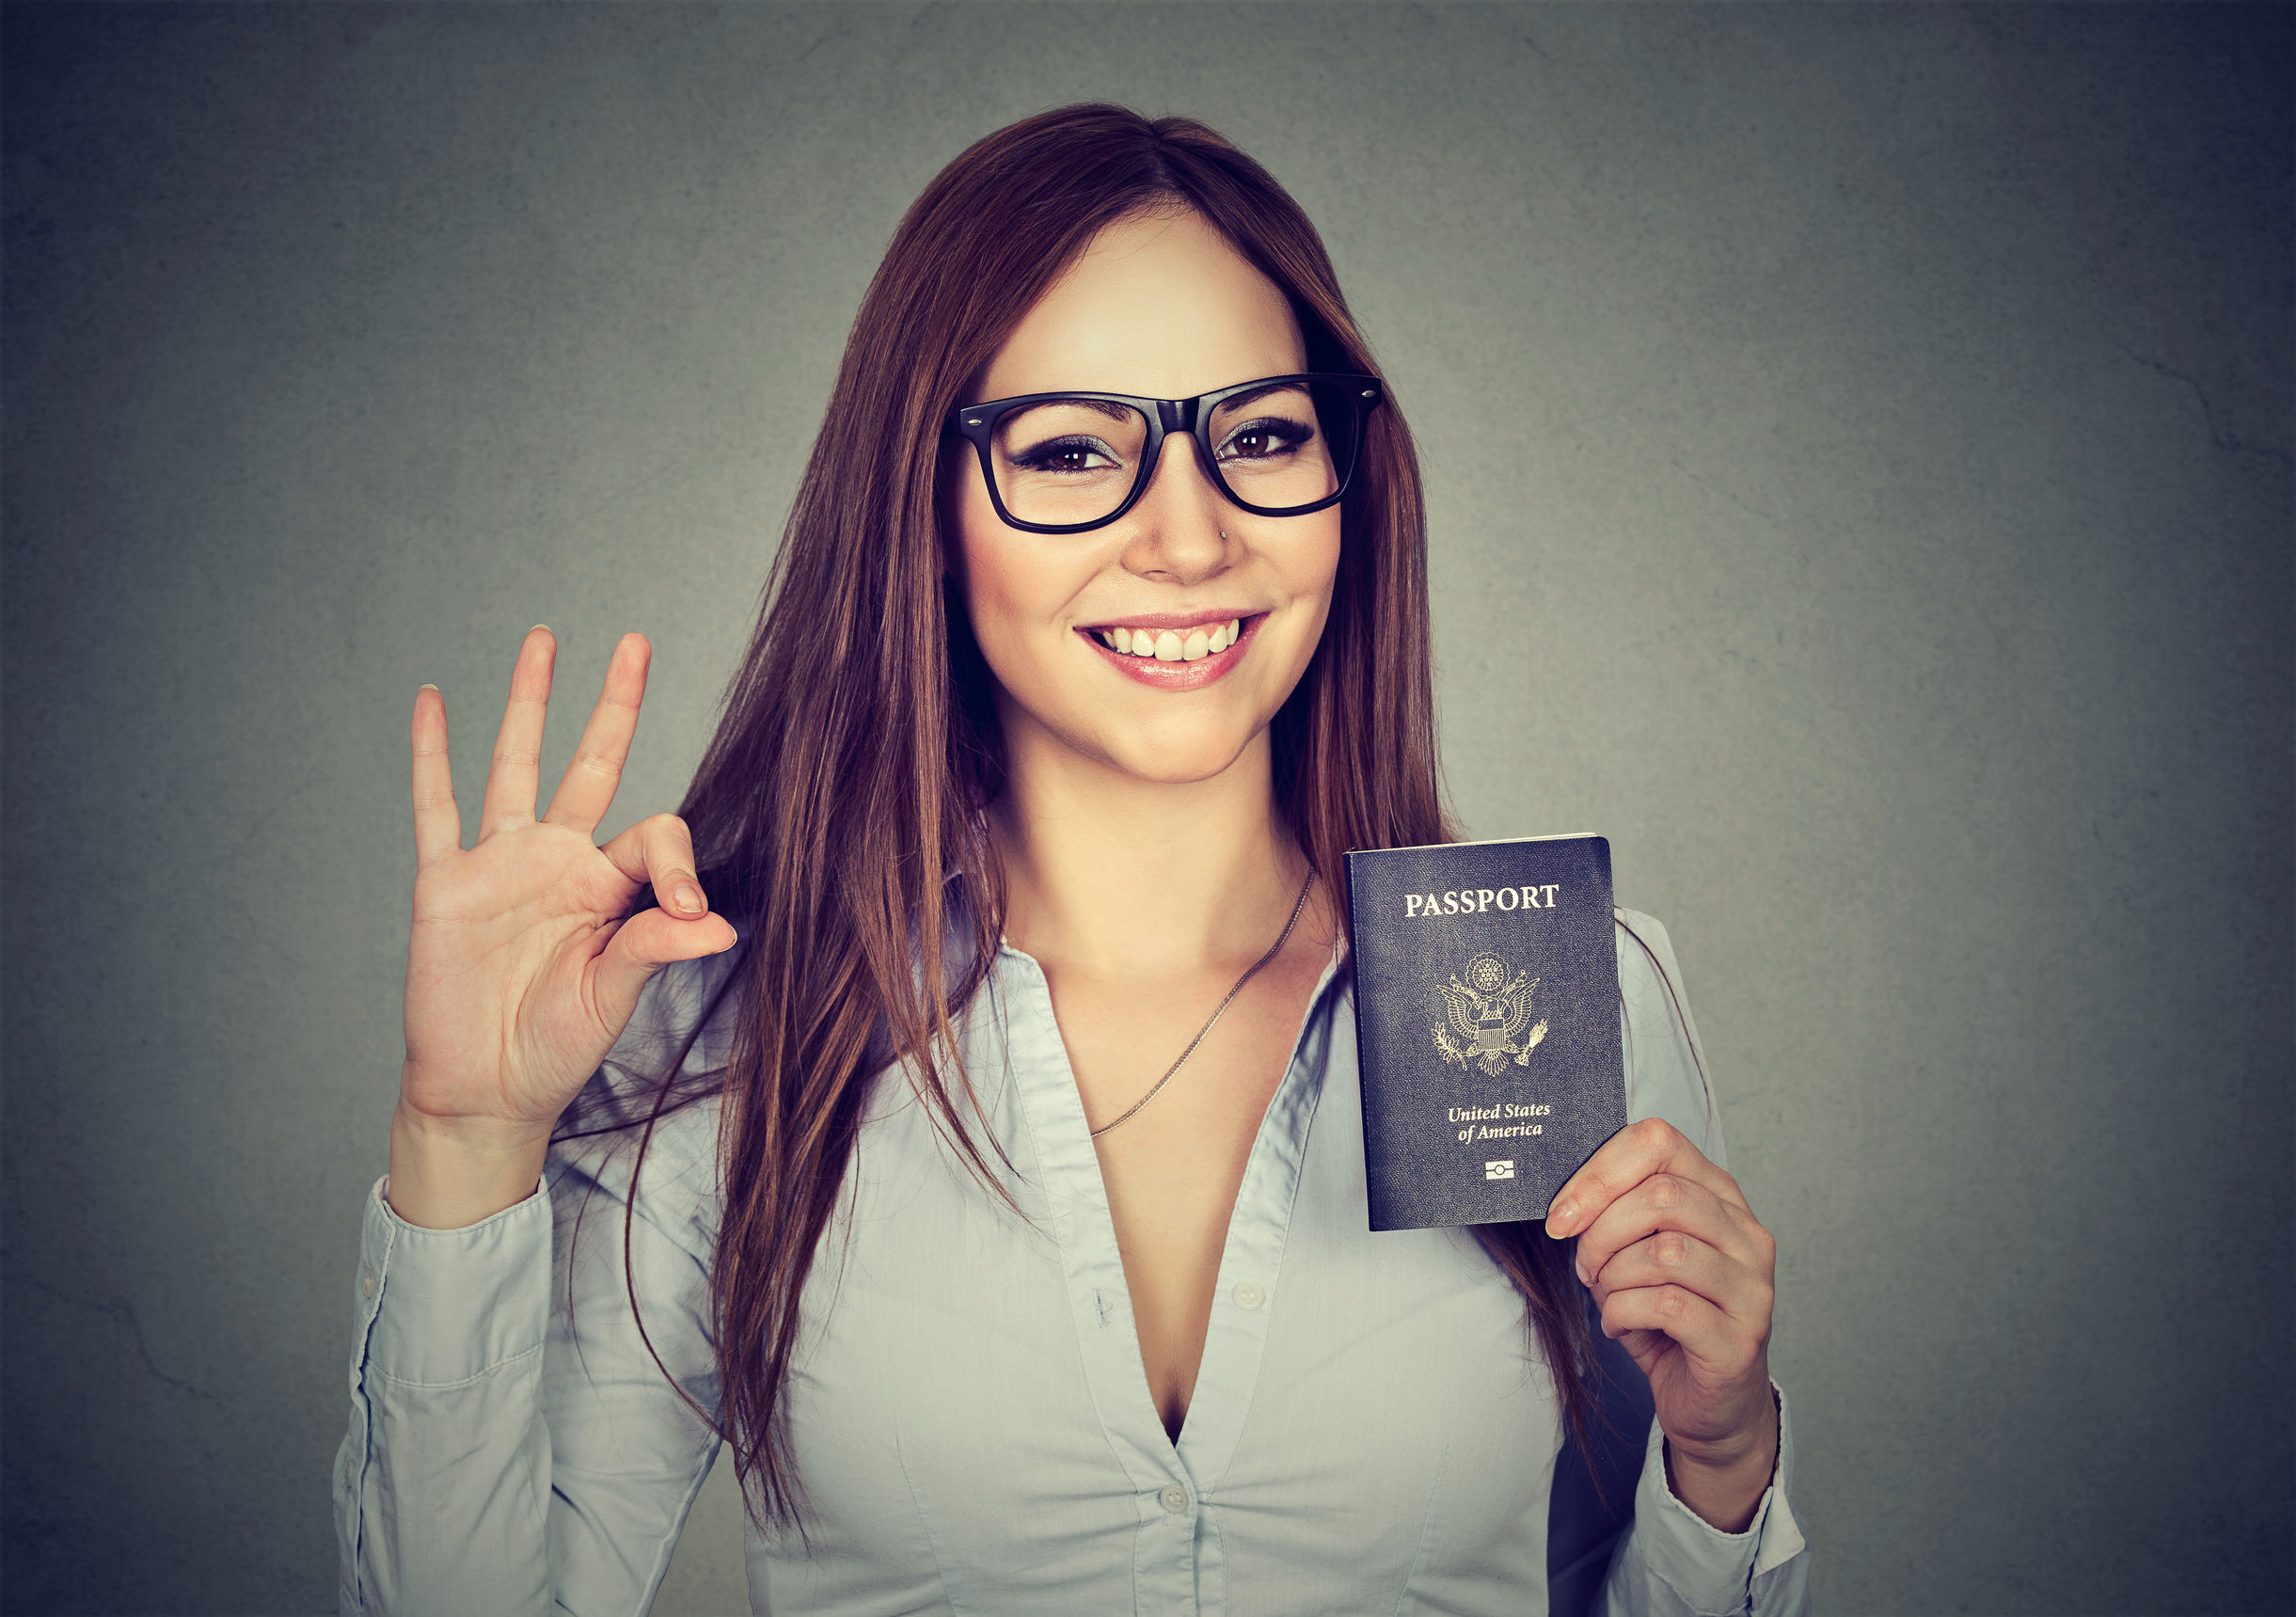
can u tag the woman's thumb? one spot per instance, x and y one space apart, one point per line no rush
644 943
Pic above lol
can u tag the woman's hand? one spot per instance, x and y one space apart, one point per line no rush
524 963
1683 1275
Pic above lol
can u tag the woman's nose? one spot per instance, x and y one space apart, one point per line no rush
1176 525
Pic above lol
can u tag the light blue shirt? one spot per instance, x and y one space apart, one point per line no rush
1370 1430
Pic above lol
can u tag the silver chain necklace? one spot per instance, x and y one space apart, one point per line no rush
1297 905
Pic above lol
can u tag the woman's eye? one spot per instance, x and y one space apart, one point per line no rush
1258 440
1066 454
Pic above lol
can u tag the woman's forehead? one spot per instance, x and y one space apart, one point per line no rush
1159 305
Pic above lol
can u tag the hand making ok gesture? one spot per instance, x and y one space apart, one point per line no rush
525 963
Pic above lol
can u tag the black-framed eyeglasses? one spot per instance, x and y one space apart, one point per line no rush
1066 463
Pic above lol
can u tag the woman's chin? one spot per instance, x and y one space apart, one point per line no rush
1176 760
1170 748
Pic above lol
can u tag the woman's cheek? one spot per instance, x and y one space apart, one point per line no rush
1014 599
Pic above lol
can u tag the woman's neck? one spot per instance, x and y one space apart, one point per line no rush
1109 875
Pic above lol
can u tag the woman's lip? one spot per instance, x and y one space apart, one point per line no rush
1177 676
1179 623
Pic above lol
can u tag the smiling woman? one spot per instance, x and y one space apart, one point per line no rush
1097 637
1162 304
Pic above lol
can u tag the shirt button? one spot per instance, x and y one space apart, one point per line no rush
366 1281
1249 1295
1174 1497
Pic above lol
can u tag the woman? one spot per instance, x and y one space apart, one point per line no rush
1049 743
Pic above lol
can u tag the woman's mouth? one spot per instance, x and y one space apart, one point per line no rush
1175 656
1191 644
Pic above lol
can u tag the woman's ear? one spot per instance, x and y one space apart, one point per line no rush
954 465
949 493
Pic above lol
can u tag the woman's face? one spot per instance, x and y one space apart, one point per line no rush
1162 307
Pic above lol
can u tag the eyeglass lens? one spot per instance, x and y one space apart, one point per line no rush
1077 460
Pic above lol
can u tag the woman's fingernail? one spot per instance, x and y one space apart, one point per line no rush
689 897
1584 1278
1559 1217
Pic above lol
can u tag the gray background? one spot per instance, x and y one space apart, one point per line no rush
1857 442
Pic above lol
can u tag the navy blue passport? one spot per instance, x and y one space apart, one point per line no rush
1486 1024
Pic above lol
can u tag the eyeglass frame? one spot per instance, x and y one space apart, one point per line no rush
976 424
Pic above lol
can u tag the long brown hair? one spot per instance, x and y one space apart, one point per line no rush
839 805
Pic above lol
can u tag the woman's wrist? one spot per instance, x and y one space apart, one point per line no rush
1722 1482
450 1174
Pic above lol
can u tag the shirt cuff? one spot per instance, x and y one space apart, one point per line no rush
444 1306
1710 1569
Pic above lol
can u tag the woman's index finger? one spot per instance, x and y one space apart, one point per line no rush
1625 1160
586 788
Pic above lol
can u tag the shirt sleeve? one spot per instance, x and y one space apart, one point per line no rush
513 1446
1673 1562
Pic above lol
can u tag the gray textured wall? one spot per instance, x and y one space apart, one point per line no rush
1858 449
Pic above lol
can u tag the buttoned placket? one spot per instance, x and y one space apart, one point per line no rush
376 1238
1176 1564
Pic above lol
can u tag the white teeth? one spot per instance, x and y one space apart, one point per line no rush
1174 645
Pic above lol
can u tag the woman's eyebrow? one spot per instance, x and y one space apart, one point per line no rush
1237 401
1114 412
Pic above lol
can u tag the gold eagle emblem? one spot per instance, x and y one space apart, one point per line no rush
1488 1010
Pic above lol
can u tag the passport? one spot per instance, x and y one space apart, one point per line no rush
1486 1024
